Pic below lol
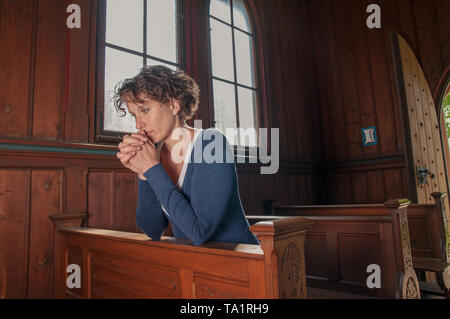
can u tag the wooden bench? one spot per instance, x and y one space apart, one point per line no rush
430 239
428 228
345 240
117 264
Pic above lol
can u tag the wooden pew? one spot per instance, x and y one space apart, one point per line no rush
345 240
117 264
429 234
430 239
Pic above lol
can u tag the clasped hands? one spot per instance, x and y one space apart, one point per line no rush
138 153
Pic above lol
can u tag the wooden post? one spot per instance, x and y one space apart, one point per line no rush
283 244
62 221
407 284
440 220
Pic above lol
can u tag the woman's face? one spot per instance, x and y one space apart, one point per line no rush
158 120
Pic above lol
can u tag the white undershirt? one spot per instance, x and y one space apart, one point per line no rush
187 157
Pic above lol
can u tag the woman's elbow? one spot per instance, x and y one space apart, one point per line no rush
199 240
143 226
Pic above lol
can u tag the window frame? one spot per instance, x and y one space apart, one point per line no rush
259 77
114 137
190 59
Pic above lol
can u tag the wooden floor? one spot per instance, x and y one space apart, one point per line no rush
428 291
316 293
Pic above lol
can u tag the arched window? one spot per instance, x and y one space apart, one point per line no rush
134 39
234 82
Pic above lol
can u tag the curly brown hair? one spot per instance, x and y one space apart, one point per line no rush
161 84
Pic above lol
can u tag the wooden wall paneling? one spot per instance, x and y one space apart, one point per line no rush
344 187
274 82
266 58
16 28
381 82
364 70
76 125
14 232
75 189
394 184
101 199
245 193
302 189
407 23
306 121
331 191
125 200
254 190
49 70
288 193
391 23
345 29
297 107
375 187
335 109
309 78
442 8
324 100
53 159
287 106
359 184
45 197
92 105
429 50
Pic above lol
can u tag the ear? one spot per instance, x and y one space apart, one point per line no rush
175 106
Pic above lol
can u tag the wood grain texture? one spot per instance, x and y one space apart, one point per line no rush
16 27
129 265
345 239
14 243
45 191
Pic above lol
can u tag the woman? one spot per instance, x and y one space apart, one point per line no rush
198 197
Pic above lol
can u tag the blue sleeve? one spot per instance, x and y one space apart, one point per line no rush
213 186
149 215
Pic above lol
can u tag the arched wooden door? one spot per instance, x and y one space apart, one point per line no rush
425 152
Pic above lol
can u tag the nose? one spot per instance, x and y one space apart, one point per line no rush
139 123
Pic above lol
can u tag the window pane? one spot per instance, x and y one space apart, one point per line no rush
222 50
244 63
247 112
151 62
118 66
224 105
221 10
162 29
240 17
124 23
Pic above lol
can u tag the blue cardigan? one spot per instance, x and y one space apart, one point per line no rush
207 207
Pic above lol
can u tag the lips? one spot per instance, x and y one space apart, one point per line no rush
149 135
